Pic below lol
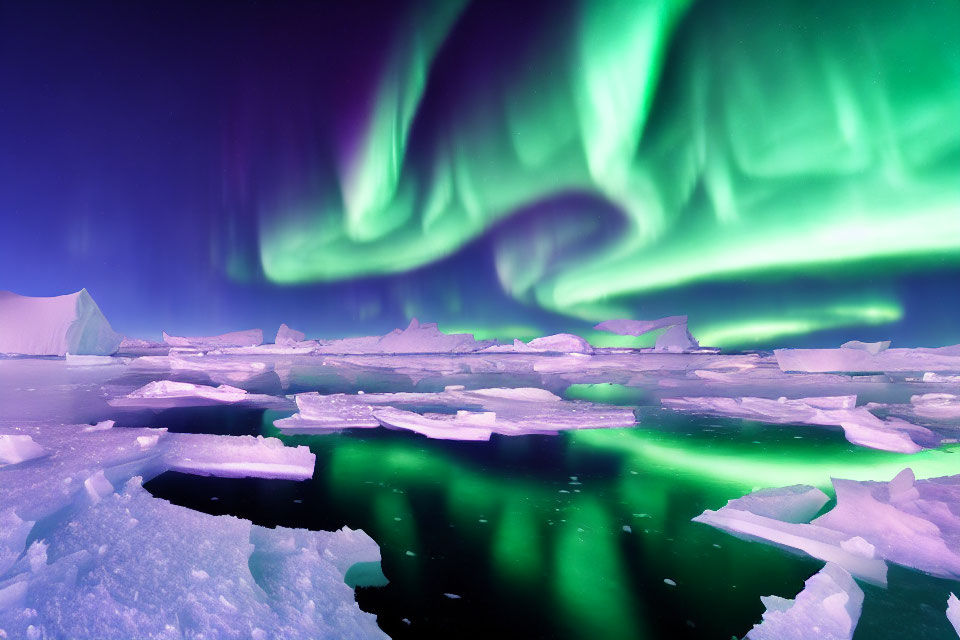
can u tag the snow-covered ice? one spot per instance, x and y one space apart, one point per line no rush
860 360
111 561
416 338
872 348
54 326
15 449
828 608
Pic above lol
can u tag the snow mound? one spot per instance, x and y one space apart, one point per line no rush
54 326
561 343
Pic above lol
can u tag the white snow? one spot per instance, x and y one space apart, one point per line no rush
828 608
54 326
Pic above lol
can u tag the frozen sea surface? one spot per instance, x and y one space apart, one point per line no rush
582 534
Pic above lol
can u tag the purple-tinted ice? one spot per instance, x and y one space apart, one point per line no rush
953 612
626 327
828 608
169 393
416 338
54 326
479 413
248 338
861 360
913 523
859 425
288 337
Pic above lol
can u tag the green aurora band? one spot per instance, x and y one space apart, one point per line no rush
733 138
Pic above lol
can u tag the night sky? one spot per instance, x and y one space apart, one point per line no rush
785 173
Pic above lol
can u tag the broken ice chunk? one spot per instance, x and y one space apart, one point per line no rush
288 337
54 326
953 612
625 327
828 608
936 405
13 538
237 457
97 486
248 338
798 503
738 518
15 449
676 339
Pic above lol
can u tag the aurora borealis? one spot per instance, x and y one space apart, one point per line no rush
783 173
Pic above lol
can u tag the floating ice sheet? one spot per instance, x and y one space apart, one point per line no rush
162 394
913 523
122 564
860 426
479 413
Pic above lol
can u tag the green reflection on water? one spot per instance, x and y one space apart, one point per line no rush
583 529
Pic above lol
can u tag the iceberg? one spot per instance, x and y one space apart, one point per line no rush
625 327
288 337
561 343
416 338
54 326
249 338
828 608
676 339
873 348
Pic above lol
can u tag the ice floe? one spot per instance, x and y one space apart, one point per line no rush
54 326
858 360
860 426
111 561
913 523
169 393
476 413
828 608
